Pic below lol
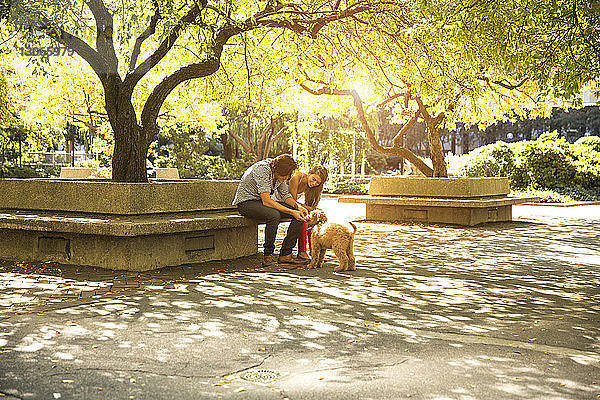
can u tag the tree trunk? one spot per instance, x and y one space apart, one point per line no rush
131 150
436 152
227 147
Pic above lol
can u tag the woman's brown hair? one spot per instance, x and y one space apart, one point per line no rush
283 165
312 196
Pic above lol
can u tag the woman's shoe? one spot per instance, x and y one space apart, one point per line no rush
303 256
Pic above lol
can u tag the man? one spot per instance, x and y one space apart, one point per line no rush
253 199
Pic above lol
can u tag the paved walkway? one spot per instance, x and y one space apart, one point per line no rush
507 310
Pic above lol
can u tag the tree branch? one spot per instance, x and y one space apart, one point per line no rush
84 50
402 132
138 73
241 141
396 150
104 34
505 84
310 25
210 65
165 87
263 134
150 30
272 140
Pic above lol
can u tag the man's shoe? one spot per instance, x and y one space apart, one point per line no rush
303 256
268 260
290 259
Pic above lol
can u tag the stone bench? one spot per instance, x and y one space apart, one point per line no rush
459 201
84 173
134 226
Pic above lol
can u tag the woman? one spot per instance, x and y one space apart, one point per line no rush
253 199
311 185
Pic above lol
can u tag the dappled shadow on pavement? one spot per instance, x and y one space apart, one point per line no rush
505 310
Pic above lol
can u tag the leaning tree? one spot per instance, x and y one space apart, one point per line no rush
211 24
444 62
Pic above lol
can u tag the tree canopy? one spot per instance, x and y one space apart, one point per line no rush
440 61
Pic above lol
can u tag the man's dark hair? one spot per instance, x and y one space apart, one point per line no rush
283 165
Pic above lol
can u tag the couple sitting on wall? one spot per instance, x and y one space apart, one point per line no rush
269 191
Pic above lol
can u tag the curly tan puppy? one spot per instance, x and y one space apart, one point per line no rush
329 235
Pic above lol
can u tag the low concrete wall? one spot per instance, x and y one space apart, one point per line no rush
438 187
459 201
133 253
106 197
167 173
129 226
76 172
85 173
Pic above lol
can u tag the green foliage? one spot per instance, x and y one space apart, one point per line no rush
548 167
492 160
51 171
4 9
545 195
193 155
587 161
18 172
589 142
213 167
547 162
339 185
377 161
564 195
89 163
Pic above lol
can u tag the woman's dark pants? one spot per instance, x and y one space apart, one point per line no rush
256 210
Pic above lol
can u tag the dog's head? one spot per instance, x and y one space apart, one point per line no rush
316 217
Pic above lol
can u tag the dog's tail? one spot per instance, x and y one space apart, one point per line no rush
353 226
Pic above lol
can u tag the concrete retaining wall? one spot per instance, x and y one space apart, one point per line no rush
128 226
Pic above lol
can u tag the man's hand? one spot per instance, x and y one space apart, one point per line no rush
298 215
303 210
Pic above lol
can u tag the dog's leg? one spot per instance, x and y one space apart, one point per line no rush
316 259
321 256
340 252
350 253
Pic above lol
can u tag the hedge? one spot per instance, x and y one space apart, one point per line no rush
549 162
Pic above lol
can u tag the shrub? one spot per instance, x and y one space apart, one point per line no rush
213 167
564 195
590 142
587 161
376 161
51 171
89 163
495 159
164 162
545 196
18 172
338 185
547 162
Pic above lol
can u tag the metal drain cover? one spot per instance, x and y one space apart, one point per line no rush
260 375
